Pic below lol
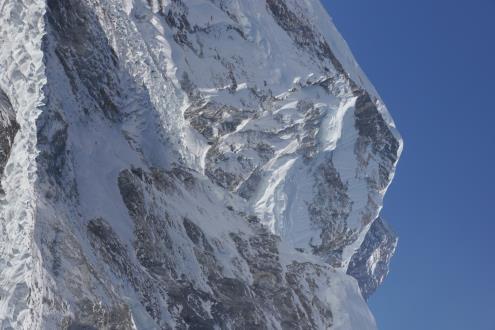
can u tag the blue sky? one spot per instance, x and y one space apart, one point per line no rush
433 62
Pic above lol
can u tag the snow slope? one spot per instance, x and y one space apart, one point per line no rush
188 164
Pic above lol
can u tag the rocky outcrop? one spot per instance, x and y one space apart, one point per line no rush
370 264
188 269
8 130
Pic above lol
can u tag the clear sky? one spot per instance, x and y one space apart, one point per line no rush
433 62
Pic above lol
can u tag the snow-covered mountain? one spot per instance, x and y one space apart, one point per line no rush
188 164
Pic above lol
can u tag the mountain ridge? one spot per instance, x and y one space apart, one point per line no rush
201 164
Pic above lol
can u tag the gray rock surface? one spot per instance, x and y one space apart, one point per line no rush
8 130
370 264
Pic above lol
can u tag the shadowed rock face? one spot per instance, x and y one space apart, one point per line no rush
302 33
374 132
329 209
271 296
370 264
94 316
8 130
88 60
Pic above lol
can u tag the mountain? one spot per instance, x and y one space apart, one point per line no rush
188 164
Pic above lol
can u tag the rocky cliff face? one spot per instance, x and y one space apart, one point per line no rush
8 130
369 265
188 164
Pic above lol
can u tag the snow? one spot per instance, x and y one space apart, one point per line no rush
21 27
273 78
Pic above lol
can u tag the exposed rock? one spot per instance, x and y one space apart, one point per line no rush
370 264
8 130
261 294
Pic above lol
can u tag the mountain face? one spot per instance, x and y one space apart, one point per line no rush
188 164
